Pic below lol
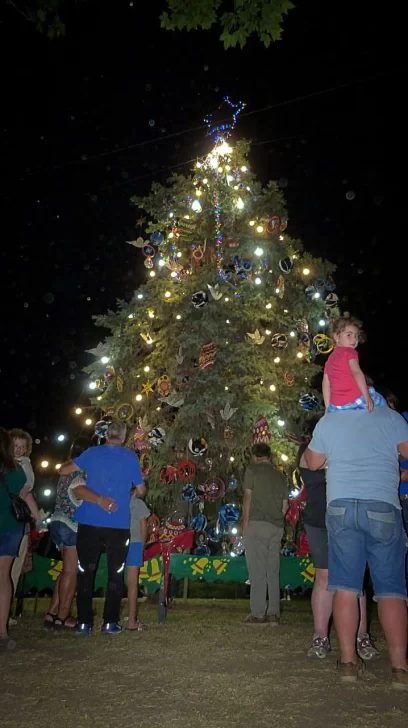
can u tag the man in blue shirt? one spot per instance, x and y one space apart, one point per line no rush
104 522
364 524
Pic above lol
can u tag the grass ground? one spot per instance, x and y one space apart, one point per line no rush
202 669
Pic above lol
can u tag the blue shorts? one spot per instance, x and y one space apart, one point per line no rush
10 542
361 532
135 554
62 535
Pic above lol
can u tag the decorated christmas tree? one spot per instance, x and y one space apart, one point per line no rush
216 350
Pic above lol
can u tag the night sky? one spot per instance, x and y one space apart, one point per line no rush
93 118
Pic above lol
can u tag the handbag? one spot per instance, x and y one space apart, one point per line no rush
19 507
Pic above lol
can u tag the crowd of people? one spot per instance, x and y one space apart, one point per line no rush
352 465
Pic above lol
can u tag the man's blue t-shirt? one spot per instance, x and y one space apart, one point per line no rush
361 449
111 471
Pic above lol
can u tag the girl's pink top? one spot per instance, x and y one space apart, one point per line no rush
343 386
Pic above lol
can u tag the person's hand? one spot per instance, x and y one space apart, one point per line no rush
370 404
404 475
244 527
107 504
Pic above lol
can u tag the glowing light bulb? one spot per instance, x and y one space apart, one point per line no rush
281 423
99 398
47 492
140 296
151 314
61 438
171 236
277 359
152 274
88 422
228 321
44 463
179 254
92 385
226 389
186 217
258 281
252 223
292 334
258 252
199 165
173 274
58 466
198 193
240 203
230 178
299 355
316 295
259 229
78 411
226 299
178 317
268 332
277 290
322 322
223 149
244 169
220 169
234 531
171 214
227 168
284 458
105 360
162 263
146 369
196 206
272 388
232 459
131 315
205 181
306 271
268 305
167 294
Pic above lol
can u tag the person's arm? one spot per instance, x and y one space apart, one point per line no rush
246 507
138 491
82 492
326 390
29 473
314 460
69 468
403 449
360 380
285 506
404 473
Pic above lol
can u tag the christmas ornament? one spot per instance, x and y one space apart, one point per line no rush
169 530
228 514
180 356
201 539
215 292
186 228
323 343
213 488
173 400
157 238
199 522
286 265
256 337
147 339
153 526
231 243
198 446
310 292
168 474
186 470
148 263
99 351
308 402
228 412
280 286
199 299
147 388
302 326
331 300
273 225
125 412
188 493
279 341
185 378
109 374
329 284
232 483
261 432
197 255
208 355
238 546
228 437
163 385
214 534
141 221
320 285
288 378
138 243
210 418
119 381
156 436
145 463
101 428
148 251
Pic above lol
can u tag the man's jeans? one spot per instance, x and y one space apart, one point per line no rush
361 532
91 541
404 506
262 552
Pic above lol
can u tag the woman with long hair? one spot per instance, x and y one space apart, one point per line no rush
64 534
12 482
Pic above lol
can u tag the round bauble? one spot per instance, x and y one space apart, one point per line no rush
198 446
228 514
101 428
308 402
168 474
157 238
331 300
156 436
286 265
199 299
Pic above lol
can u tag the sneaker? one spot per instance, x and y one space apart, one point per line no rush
111 628
272 619
365 647
83 629
349 671
320 647
399 679
255 620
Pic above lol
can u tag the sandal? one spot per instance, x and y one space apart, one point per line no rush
47 624
61 623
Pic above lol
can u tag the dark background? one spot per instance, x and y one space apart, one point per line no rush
77 144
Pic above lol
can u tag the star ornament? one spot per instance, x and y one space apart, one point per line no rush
141 221
147 388
256 337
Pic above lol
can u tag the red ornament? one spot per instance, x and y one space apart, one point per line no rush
273 226
168 474
261 432
232 243
186 470
289 378
208 355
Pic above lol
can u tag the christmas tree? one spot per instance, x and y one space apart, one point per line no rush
217 349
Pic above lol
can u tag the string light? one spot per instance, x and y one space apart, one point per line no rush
152 274
105 360
179 254
240 203
138 398
232 459
178 317
196 206
140 296
162 263
322 322
268 332
244 169
78 411
226 299
92 385
259 229
226 389
167 294
268 305
131 315
99 398
284 458
306 271
44 463
88 422
272 388
151 314
58 466
316 295
47 492
277 359
258 281
281 423
146 369
61 438
299 355
258 252
292 334
252 223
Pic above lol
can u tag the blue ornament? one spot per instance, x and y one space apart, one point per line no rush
188 493
202 551
310 291
228 513
309 402
199 522
151 122
101 427
157 238
214 534
330 285
232 483
320 285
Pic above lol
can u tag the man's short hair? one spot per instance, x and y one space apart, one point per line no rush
116 431
261 450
